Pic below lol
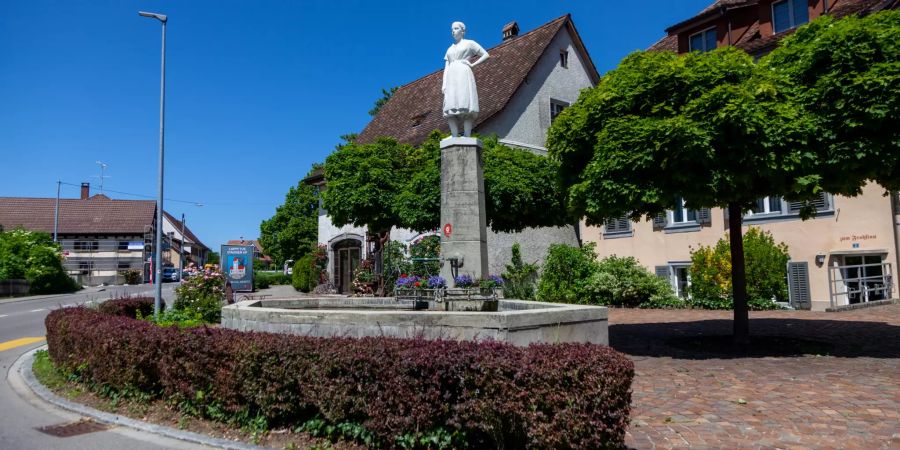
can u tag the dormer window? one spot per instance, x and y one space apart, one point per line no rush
417 120
564 59
787 14
703 41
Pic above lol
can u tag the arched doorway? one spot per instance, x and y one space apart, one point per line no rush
347 254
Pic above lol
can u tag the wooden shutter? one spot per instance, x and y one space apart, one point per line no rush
820 203
660 221
662 272
618 225
798 285
704 216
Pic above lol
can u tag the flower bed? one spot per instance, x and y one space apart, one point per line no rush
480 394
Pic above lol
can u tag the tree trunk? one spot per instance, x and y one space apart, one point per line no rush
738 278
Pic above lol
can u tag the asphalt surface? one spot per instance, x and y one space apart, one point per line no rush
21 412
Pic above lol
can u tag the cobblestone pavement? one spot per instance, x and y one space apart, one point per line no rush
848 396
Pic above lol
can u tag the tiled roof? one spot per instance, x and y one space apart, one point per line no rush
752 41
498 78
187 230
95 215
252 242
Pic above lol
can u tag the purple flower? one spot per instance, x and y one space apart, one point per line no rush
464 281
435 282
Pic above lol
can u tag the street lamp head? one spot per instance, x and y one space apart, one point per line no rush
160 17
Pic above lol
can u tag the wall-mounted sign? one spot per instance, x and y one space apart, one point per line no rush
858 237
448 230
237 266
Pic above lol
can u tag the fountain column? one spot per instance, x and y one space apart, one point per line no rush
463 216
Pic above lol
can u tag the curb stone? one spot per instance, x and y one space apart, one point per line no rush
22 367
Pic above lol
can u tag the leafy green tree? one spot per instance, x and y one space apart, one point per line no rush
400 186
845 74
212 257
386 95
293 230
711 128
427 247
33 256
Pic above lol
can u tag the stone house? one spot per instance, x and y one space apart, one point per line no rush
526 82
846 255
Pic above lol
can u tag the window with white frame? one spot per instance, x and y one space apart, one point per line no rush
703 41
681 214
556 107
766 205
787 14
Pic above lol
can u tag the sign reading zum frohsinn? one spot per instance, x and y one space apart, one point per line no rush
237 265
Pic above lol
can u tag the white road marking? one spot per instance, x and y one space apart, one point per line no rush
3 315
38 310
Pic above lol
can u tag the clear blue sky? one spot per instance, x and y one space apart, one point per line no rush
256 91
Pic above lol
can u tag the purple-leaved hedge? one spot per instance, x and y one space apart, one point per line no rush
493 394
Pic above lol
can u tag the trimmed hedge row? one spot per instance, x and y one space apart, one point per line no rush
491 394
129 306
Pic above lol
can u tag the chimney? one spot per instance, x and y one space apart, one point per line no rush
510 30
85 191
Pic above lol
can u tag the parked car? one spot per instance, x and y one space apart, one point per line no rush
171 274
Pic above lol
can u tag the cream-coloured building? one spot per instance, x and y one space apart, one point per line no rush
846 255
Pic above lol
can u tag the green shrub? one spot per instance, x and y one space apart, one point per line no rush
303 269
132 307
566 272
427 247
625 282
765 262
395 264
35 257
520 277
263 280
202 294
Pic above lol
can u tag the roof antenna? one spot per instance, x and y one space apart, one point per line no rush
102 175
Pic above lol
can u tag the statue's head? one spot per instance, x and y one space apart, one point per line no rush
458 29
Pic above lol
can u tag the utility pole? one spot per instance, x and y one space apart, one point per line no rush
181 259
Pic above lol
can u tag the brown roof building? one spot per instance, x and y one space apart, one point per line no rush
756 26
102 238
517 68
527 81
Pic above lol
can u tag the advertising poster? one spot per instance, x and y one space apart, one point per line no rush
237 265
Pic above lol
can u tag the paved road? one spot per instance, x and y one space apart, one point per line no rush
21 413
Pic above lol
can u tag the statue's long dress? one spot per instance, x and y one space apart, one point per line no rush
460 94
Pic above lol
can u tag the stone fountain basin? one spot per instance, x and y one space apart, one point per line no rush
518 322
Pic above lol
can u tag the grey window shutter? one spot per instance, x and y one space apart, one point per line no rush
798 285
820 203
618 225
704 216
660 221
662 272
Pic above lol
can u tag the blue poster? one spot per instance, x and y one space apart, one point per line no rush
237 266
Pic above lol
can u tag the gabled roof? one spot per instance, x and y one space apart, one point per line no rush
752 41
96 215
191 237
252 242
498 79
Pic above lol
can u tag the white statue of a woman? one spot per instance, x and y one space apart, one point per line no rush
460 94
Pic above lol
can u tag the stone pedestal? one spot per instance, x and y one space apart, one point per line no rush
463 217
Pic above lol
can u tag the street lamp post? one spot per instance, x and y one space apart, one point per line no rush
181 259
157 302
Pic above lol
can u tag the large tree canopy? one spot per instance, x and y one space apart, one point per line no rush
710 128
707 127
385 184
846 74
293 230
